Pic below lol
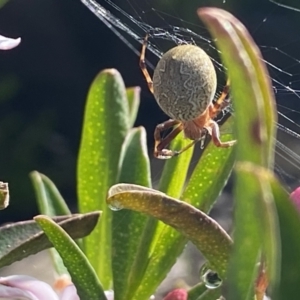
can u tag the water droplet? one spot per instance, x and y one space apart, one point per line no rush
115 205
211 279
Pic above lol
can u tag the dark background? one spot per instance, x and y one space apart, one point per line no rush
44 81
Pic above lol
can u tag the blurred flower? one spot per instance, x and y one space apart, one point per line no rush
8 43
17 286
177 294
27 287
295 196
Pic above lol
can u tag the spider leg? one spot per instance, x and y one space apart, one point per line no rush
221 102
161 144
186 147
213 129
143 65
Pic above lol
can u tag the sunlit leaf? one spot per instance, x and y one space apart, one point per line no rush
106 122
83 275
178 166
289 224
211 172
206 183
49 199
133 97
253 102
21 239
128 240
204 232
50 203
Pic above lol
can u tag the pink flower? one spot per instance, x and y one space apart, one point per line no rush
26 287
8 43
295 196
177 294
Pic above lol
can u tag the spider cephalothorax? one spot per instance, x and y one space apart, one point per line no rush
184 85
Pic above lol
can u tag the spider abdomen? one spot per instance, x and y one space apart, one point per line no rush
184 82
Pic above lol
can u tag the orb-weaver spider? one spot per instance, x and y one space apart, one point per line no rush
184 84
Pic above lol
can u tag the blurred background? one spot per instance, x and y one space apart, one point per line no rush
44 81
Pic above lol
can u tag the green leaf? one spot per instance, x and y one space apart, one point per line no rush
153 257
251 87
51 204
128 256
211 172
4 195
133 97
83 275
50 201
203 231
21 239
178 165
208 179
134 159
252 93
289 224
105 126
256 179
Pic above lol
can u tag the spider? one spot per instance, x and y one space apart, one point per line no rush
184 84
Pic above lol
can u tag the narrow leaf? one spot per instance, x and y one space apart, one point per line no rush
211 172
51 204
178 166
128 256
252 93
133 97
83 275
289 224
153 257
21 239
256 179
105 126
207 181
204 232
250 84
50 201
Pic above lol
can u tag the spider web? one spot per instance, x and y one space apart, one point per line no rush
130 21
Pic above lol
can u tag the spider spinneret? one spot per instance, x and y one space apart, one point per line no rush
184 85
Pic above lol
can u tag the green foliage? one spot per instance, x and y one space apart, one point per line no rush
49 199
21 239
252 90
143 230
204 232
82 273
106 123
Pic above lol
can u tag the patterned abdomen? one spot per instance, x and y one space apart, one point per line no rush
184 82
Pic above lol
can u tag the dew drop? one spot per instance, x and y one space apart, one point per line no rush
115 205
211 279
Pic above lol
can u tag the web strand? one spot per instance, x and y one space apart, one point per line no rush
135 29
